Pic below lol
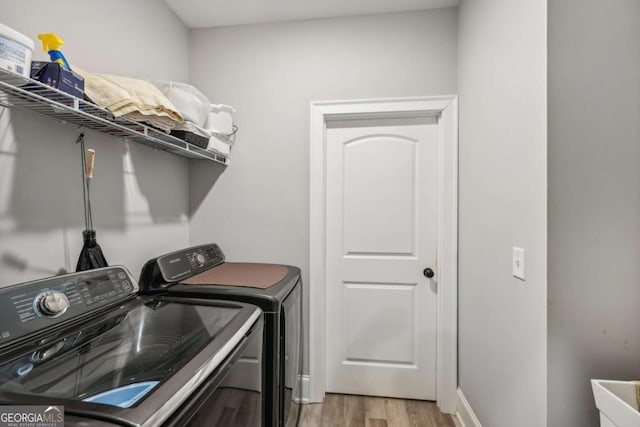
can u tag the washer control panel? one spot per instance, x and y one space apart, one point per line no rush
189 262
29 307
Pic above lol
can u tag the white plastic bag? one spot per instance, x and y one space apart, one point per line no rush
189 101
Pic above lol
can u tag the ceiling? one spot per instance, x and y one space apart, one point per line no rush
215 13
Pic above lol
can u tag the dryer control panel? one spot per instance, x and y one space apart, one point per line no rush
29 307
165 270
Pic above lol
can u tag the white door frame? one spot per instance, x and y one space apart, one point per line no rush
446 108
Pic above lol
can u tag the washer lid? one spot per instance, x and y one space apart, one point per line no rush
138 364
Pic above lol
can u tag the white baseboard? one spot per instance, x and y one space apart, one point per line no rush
306 389
464 413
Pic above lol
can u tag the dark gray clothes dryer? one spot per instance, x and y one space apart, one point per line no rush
200 272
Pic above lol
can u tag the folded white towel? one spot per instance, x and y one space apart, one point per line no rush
131 98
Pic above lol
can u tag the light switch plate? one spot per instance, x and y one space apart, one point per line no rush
518 263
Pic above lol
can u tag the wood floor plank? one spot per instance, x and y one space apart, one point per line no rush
248 399
367 411
311 415
438 418
333 411
374 408
396 413
426 414
415 418
354 411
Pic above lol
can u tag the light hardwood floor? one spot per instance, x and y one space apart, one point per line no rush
339 410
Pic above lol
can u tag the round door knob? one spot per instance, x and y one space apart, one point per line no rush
428 273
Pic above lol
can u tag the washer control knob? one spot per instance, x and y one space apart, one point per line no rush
199 259
51 303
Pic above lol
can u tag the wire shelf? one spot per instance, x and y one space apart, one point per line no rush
27 94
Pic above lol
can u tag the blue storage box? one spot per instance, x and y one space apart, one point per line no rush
57 76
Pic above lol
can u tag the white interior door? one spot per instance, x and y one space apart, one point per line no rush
382 195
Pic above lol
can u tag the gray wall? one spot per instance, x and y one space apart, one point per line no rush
40 183
594 202
259 208
502 321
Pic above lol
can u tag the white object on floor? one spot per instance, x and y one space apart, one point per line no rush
617 403
220 118
16 51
